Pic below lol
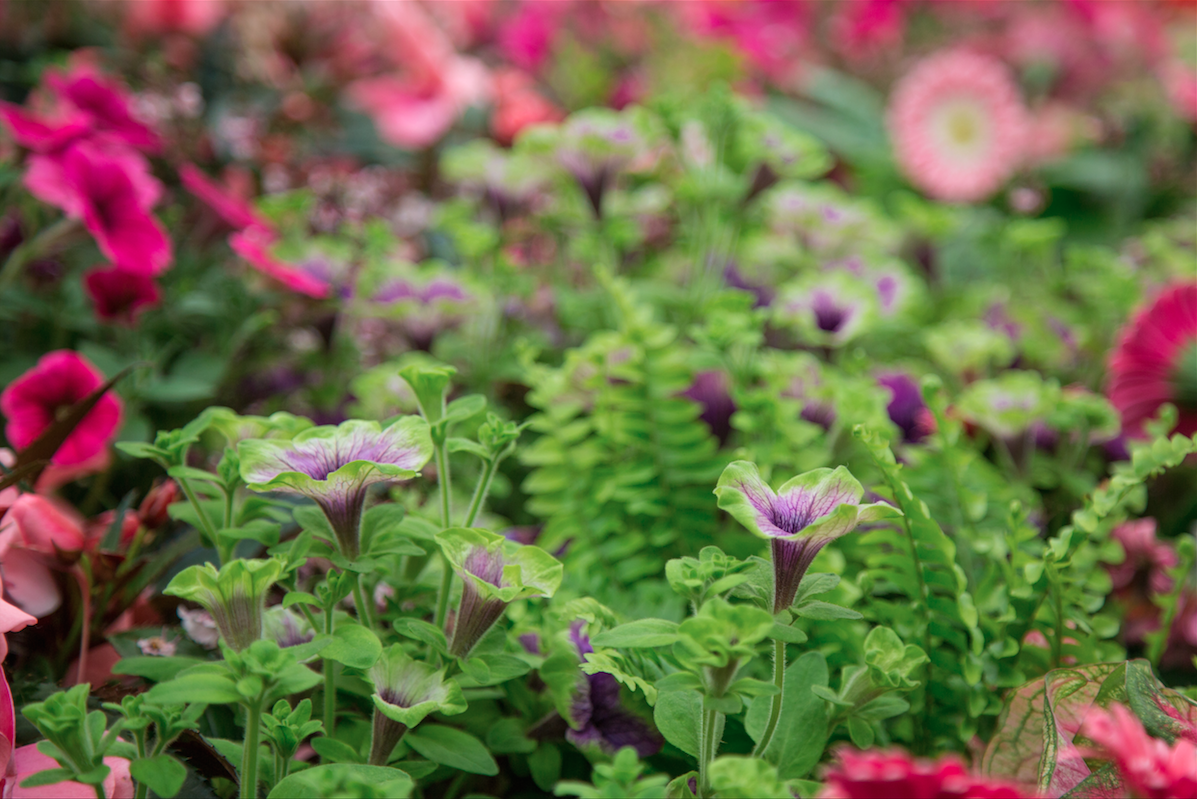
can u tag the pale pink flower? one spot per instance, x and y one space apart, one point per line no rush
958 125
12 619
1147 558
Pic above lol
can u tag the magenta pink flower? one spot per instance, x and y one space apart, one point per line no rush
105 104
526 39
865 27
893 774
232 210
1156 361
156 17
33 401
1150 768
119 295
43 135
958 125
252 245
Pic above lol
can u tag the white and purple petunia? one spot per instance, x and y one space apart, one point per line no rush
800 518
334 465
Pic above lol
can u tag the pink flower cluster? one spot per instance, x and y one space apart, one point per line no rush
1150 768
86 156
894 774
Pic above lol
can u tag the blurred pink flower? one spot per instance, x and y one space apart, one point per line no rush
888 774
43 135
12 619
863 28
252 244
958 125
104 103
518 105
1147 559
771 33
119 295
1150 768
1180 82
155 17
526 38
416 107
28 761
32 402
233 210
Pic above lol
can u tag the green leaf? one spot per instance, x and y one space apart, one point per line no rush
336 751
389 783
463 408
297 597
545 765
784 632
861 732
678 681
208 688
801 733
48 777
824 611
158 669
677 716
641 634
452 747
354 646
507 735
420 630
163 774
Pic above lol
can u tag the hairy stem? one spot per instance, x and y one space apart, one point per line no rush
779 679
249 755
330 682
708 744
359 598
442 478
481 491
205 522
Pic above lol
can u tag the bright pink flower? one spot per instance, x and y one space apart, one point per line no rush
114 213
518 105
46 176
155 17
958 125
1156 361
12 619
860 29
119 295
234 211
33 401
526 39
893 774
252 245
1150 768
28 761
8 730
43 135
771 34
1147 559
105 104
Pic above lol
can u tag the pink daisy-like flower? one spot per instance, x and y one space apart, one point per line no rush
119 295
893 774
1150 768
32 402
958 125
252 244
1156 361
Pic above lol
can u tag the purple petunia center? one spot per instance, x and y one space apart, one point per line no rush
320 461
485 566
396 697
792 512
829 316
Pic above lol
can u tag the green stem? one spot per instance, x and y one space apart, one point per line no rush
359 598
249 755
1156 645
142 790
779 679
481 491
442 477
205 522
38 245
330 681
100 791
1058 607
706 751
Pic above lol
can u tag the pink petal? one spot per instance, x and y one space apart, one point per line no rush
27 761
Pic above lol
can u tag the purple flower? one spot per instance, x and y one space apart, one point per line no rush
807 513
597 715
830 310
709 390
595 145
494 573
906 408
334 466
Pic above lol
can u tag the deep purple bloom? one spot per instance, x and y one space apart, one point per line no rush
734 278
597 715
906 408
710 390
